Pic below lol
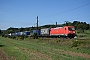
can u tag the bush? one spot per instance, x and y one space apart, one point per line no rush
22 37
80 31
35 36
13 37
25 36
2 35
58 41
76 43
10 37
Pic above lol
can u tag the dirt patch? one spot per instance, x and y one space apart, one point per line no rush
77 54
36 55
3 56
73 53
39 55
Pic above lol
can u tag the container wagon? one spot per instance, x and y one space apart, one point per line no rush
36 31
45 32
27 33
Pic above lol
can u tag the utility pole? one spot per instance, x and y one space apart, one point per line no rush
56 24
37 23
37 28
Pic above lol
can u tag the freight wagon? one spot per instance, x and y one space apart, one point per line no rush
26 33
36 31
45 32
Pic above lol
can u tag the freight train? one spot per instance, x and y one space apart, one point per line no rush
66 31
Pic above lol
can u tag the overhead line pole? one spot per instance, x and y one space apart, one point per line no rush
56 24
37 23
37 27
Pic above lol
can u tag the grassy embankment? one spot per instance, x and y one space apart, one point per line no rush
44 49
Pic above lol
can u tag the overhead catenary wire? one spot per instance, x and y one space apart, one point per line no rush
67 10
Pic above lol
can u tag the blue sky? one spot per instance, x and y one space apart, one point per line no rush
22 13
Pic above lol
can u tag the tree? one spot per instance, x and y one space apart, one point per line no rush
0 31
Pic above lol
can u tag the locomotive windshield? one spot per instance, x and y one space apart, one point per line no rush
71 28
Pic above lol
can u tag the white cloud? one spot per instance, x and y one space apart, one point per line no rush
75 20
2 27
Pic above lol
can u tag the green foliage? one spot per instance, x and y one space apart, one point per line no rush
58 41
78 25
22 37
80 31
77 43
2 35
35 36
0 32
14 37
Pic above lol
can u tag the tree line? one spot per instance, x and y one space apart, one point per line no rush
77 24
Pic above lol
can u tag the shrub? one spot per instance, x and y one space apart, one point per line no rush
35 36
13 37
75 43
9 36
2 35
22 37
58 41
25 36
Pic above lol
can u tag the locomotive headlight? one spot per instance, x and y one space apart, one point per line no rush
73 31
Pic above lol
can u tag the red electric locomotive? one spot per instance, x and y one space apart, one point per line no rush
66 31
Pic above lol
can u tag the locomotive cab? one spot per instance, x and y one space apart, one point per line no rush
66 31
71 32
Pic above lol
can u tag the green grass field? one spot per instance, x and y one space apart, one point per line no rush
44 49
